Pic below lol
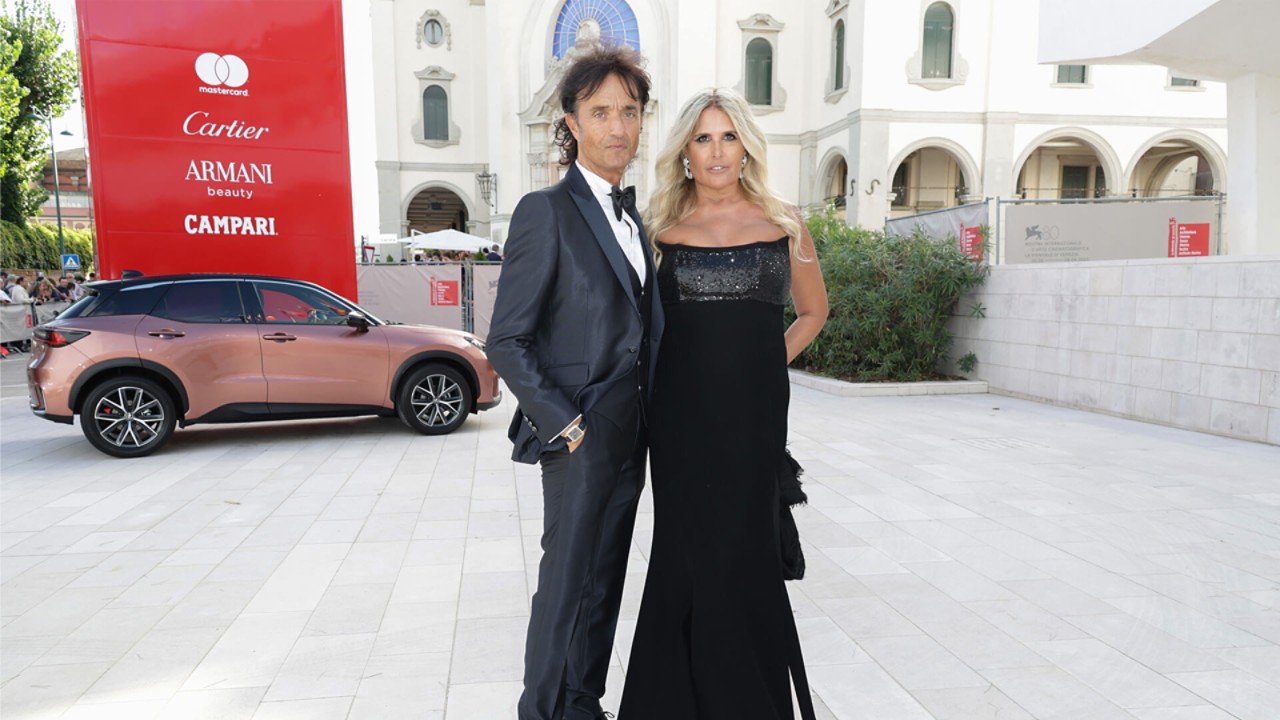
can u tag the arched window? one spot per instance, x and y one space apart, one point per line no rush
435 113
759 72
433 33
612 19
939 29
839 55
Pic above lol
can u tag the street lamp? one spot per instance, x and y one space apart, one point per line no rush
57 194
489 188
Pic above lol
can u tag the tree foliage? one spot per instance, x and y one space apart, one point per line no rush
890 299
37 79
35 247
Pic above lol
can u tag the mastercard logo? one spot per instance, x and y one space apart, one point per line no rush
214 69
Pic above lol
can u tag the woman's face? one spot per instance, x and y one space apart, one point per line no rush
715 151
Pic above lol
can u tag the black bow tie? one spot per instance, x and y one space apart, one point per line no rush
622 199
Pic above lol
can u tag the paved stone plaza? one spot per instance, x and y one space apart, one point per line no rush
969 557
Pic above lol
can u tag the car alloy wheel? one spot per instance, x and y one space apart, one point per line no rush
435 400
128 417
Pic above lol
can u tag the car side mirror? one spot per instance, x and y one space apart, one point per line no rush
358 321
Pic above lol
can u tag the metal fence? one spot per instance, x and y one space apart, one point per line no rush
448 294
17 321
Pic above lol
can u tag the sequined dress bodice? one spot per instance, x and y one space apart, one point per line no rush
759 271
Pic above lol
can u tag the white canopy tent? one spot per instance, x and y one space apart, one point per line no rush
448 240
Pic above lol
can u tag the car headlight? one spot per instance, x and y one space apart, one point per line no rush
474 341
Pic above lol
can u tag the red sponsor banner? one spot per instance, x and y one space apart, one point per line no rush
1188 239
971 242
218 137
444 292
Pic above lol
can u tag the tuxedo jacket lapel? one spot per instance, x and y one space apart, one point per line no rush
600 228
657 320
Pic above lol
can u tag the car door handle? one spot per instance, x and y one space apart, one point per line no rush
279 337
167 333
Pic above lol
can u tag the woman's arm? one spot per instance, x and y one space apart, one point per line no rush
809 293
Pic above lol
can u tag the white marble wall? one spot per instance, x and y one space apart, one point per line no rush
1190 343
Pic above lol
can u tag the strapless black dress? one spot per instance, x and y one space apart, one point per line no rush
716 638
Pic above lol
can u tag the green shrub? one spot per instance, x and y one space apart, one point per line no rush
890 299
35 247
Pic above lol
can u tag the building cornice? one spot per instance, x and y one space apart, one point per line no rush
983 118
992 118
431 167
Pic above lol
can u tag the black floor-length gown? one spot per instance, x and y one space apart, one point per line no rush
716 638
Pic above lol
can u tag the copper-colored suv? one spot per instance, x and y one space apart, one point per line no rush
135 357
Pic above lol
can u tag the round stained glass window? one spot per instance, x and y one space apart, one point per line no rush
433 32
611 20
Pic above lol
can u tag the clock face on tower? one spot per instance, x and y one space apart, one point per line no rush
608 21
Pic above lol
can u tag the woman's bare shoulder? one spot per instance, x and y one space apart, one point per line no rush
686 233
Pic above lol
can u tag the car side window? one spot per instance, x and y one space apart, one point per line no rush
285 304
202 301
136 300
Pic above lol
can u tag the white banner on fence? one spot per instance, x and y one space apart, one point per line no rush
15 323
412 294
964 224
1036 233
486 294
49 311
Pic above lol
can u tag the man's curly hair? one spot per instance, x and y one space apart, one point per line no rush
585 75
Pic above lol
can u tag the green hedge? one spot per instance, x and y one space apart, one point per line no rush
35 247
890 299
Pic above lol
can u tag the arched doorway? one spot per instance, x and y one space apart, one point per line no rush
835 182
436 208
1066 167
928 178
1174 167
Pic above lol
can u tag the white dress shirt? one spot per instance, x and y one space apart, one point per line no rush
624 230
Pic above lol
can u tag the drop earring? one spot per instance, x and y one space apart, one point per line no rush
744 167
688 173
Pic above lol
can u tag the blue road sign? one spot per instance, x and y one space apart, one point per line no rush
70 262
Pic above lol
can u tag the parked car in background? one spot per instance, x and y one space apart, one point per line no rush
134 358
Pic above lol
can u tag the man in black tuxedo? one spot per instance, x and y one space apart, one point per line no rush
575 334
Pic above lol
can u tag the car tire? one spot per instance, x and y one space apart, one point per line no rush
128 416
434 400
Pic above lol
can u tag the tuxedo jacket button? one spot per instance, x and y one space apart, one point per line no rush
632 349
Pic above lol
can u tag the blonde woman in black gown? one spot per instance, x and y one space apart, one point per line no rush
716 638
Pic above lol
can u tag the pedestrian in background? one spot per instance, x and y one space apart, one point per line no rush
18 293
45 293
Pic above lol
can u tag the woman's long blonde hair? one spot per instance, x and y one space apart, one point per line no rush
675 199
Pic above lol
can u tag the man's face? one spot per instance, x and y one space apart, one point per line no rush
607 128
